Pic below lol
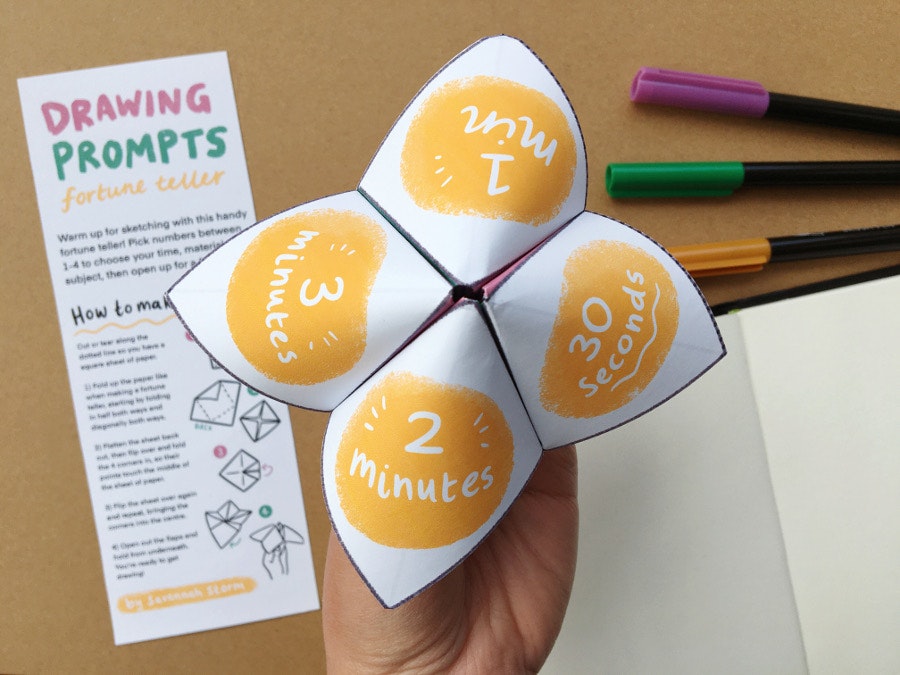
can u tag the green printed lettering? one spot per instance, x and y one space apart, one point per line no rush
86 156
191 138
167 140
144 147
62 153
213 136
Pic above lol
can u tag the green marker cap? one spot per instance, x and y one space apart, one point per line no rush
674 179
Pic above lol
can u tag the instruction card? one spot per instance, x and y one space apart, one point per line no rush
140 173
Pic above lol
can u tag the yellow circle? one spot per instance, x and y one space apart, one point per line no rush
422 464
489 147
616 321
298 296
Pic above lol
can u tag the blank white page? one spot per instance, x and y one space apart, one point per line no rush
826 373
681 566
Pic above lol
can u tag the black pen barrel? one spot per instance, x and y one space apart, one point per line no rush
828 244
822 173
833 113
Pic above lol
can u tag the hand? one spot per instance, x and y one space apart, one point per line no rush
279 554
499 611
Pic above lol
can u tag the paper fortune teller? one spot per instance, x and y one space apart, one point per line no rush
460 312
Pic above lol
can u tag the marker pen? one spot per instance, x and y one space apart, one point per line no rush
750 99
751 255
718 179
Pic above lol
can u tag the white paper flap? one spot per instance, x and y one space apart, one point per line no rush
422 461
305 305
486 161
599 326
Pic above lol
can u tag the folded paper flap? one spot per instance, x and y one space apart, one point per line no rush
423 460
599 326
488 150
304 305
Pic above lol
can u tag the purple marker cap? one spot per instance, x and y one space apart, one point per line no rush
699 92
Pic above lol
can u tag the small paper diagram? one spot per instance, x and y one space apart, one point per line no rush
458 314
225 523
260 421
274 540
243 471
217 404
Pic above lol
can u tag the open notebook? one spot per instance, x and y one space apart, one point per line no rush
752 523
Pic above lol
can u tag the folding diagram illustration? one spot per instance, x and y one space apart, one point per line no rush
259 421
459 313
217 404
243 471
274 540
225 523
